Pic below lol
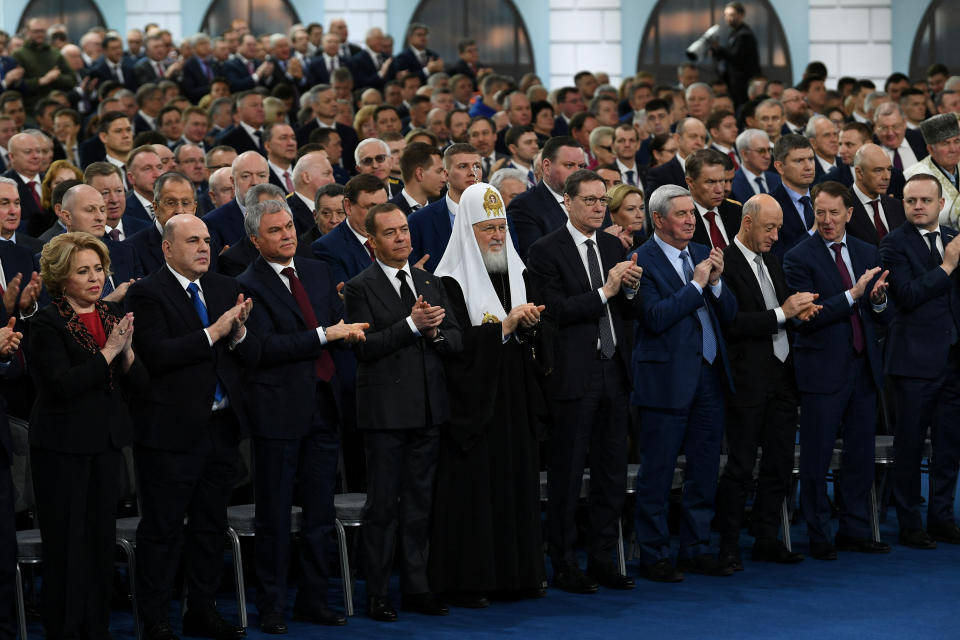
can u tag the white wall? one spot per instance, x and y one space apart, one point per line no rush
853 38
584 35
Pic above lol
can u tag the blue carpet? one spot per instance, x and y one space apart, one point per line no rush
907 593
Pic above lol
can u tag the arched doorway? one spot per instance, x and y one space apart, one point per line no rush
673 25
936 39
263 16
496 25
78 15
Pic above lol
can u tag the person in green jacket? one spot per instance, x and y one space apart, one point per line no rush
44 67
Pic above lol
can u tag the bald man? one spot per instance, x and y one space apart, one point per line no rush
875 214
225 223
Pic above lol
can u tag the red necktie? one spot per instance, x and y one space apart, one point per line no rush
366 245
733 158
897 160
250 68
855 322
324 363
716 238
286 179
36 194
877 220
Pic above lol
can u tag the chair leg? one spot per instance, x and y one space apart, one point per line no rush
874 519
620 553
21 613
131 578
785 523
238 575
344 567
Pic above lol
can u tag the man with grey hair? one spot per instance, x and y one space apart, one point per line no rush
312 171
173 193
699 97
942 136
324 105
236 258
373 157
905 147
225 223
510 183
680 367
691 136
870 104
298 312
825 140
25 160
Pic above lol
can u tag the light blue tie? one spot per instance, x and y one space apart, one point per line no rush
706 327
201 309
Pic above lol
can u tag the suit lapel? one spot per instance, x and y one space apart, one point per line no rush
382 287
826 257
571 256
672 277
739 265
180 299
274 285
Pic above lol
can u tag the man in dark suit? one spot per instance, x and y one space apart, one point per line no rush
367 63
143 168
346 248
754 175
327 214
199 70
691 135
25 170
738 58
430 227
468 61
152 68
192 338
10 217
539 211
583 279
113 65
107 179
416 58
321 67
226 223
875 214
297 316
839 367
424 177
399 416
905 147
244 71
324 105
718 219
762 412
9 367
247 135
241 254
922 361
312 172
793 160
680 371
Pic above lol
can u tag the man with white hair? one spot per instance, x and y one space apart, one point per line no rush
485 281
754 175
699 100
510 183
942 136
825 140
904 146
323 100
373 157
25 161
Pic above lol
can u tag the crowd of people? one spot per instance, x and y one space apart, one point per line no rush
414 278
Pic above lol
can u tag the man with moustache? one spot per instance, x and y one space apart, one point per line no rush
942 135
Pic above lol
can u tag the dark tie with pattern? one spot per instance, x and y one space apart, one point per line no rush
709 347
877 220
934 251
607 347
324 363
897 160
807 211
406 293
855 322
716 238
760 186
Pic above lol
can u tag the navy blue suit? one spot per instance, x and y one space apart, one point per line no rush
532 215
430 231
238 76
838 386
195 82
133 224
348 142
147 244
225 224
135 209
742 191
341 250
681 399
101 70
923 363
295 429
667 173
793 230
124 262
365 71
33 219
91 150
407 60
240 140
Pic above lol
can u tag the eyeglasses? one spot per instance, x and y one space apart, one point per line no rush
370 160
591 201
605 147
764 151
170 203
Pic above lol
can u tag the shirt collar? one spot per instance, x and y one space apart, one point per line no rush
452 206
672 253
795 196
184 282
307 201
149 119
578 237
830 243
624 168
751 176
557 196
391 272
861 196
410 199
279 171
27 180
277 267
250 130
748 253
360 237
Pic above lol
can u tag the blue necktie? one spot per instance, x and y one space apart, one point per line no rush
107 288
630 179
201 310
759 182
807 211
706 327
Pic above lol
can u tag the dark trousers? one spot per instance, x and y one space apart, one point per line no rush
849 412
174 484
698 431
8 549
307 467
77 507
595 424
922 403
401 465
772 426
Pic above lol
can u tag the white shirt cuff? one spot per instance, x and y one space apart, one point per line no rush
413 327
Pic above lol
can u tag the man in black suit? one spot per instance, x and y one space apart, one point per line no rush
923 362
312 172
241 254
192 338
321 67
468 63
904 146
107 179
737 59
327 214
762 411
9 366
400 415
10 218
691 135
113 66
718 219
421 167
246 136
152 68
587 287
199 70
416 58
793 160
539 211
225 223
24 168
368 64
244 72
323 101
297 316
875 214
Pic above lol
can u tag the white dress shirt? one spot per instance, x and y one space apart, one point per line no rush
580 242
277 267
702 211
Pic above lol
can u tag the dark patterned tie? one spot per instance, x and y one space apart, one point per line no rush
324 367
934 251
855 323
607 347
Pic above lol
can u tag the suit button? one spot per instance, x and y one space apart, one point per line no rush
397 381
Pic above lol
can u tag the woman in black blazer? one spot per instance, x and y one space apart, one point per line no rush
84 370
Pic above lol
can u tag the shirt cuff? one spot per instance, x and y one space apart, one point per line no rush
235 343
603 298
322 335
781 316
697 286
717 289
413 327
849 297
206 332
